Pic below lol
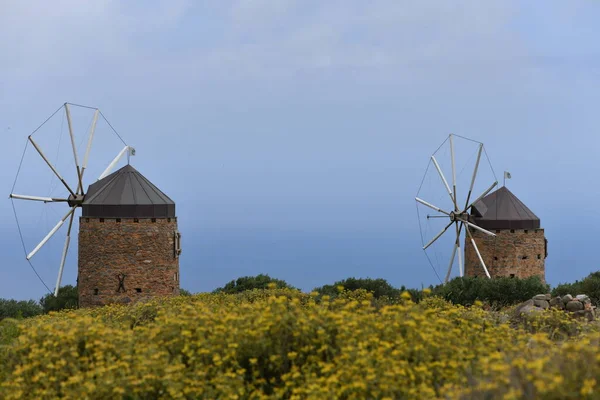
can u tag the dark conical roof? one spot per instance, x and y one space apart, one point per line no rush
126 194
503 210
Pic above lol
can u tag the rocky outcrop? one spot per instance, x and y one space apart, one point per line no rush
579 306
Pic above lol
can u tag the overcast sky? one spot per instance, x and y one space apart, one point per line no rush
293 135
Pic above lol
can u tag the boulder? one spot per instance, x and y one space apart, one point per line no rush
541 297
567 298
583 298
541 303
574 305
556 302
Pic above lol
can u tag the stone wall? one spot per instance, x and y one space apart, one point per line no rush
125 260
518 253
579 306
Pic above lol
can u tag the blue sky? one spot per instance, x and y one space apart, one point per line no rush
293 135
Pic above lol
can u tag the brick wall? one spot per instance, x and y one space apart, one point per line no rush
518 252
142 250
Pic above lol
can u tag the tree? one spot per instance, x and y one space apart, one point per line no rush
379 287
68 298
252 282
19 309
183 292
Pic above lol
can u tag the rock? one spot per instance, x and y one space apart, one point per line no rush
540 297
583 298
526 308
567 298
574 305
541 304
556 302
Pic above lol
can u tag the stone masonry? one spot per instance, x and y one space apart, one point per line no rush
512 253
126 260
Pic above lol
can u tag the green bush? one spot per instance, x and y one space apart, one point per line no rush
497 292
19 309
589 286
68 298
379 287
183 292
252 282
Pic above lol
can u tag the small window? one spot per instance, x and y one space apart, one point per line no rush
87 220
96 292
512 231
153 219
524 258
495 258
512 275
497 230
118 220
168 219
539 256
138 290
136 220
526 231
101 219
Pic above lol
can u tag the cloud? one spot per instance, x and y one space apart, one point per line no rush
253 38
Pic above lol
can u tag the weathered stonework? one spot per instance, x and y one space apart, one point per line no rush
516 253
143 251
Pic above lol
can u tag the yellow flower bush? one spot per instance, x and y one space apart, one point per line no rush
281 343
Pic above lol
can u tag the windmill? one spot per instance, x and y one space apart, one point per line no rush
457 213
76 191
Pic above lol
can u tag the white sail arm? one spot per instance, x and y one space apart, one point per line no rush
436 237
453 174
439 170
64 256
479 228
451 261
474 174
36 198
79 182
50 234
50 165
482 195
113 162
478 254
89 143
431 206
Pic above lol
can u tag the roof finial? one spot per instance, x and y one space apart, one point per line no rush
506 176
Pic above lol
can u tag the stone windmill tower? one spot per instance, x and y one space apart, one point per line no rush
519 248
129 244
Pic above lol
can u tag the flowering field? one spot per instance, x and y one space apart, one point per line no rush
285 344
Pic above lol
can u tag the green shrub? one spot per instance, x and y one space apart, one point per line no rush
379 287
19 309
497 292
252 282
67 299
589 286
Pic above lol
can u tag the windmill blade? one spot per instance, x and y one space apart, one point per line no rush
36 198
50 165
479 228
453 174
478 254
89 145
474 175
79 183
439 170
113 162
64 255
451 260
50 234
460 262
482 195
437 236
431 206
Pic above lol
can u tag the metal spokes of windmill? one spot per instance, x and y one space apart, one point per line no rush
456 212
76 190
